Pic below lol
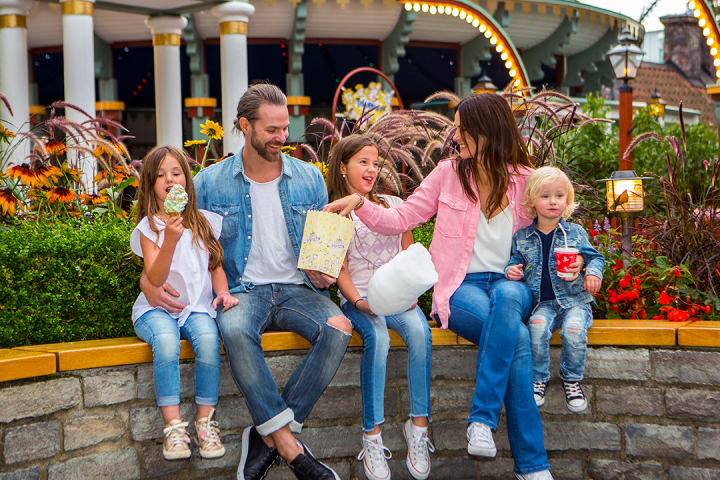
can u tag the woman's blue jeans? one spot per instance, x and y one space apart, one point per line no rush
490 311
161 331
413 327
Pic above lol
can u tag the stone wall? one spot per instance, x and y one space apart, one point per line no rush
654 414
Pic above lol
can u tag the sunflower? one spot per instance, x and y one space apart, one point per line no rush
119 173
60 194
192 143
322 166
101 150
54 147
8 202
5 133
94 199
25 173
48 174
212 129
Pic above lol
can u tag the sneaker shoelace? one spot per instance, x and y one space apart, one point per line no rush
539 388
375 452
212 432
573 391
177 435
420 445
479 434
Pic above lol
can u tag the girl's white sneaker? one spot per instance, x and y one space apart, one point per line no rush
542 475
375 456
480 440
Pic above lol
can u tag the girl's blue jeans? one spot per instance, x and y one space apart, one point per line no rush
549 316
161 331
490 311
413 327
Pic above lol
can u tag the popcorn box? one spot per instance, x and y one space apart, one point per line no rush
325 241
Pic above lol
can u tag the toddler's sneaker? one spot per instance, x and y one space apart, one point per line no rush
539 392
208 437
375 456
574 397
419 447
542 475
480 440
176 445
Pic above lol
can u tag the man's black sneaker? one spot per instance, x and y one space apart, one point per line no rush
307 467
257 457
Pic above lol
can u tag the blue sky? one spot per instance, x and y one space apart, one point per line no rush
634 8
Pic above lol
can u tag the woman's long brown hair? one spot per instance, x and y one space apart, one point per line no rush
149 205
340 155
488 116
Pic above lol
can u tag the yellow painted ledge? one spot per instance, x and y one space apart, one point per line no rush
699 334
655 333
16 364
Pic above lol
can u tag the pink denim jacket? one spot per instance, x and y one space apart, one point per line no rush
441 193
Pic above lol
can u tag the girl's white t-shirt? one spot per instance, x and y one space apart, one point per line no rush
189 273
369 251
493 242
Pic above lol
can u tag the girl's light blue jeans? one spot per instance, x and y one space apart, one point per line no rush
549 316
490 311
413 327
161 331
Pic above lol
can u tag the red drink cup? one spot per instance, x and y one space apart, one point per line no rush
564 257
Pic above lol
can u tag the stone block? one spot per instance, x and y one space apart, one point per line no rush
24 474
442 467
146 423
233 451
692 473
604 469
86 431
555 400
454 364
156 466
678 366
146 385
643 440
348 373
346 403
109 388
227 383
232 413
450 435
566 468
617 364
581 436
280 471
445 399
499 468
30 442
617 400
283 364
323 442
708 443
47 397
695 404
116 465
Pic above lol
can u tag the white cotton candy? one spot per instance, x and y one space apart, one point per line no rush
396 285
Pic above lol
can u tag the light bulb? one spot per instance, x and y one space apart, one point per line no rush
425 7
433 10
513 73
408 6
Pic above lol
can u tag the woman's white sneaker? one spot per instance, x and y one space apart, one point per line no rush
375 456
542 475
419 447
480 440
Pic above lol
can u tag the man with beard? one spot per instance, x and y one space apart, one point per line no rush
263 196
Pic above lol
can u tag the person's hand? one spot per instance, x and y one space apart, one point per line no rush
174 229
575 268
163 297
319 279
515 272
592 284
344 205
364 306
226 300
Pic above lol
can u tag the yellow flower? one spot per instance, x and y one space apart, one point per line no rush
5 133
322 166
212 129
101 150
61 194
8 202
286 149
192 143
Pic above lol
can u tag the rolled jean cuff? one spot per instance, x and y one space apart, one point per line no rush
428 416
484 421
206 401
167 401
296 427
276 422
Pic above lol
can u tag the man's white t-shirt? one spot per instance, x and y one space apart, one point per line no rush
271 258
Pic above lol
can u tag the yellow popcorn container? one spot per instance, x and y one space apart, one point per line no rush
325 241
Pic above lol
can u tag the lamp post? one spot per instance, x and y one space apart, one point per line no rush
624 195
484 85
625 60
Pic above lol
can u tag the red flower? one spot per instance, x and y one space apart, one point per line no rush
677 272
618 265
677 315
592 233
665 299
658 317
624 282
706 308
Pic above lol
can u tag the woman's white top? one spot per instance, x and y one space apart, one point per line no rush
189 273
368 251
493 241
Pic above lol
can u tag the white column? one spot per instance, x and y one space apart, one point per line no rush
14 70
79 72
168 97
233 18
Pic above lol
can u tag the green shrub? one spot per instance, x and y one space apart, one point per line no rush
66 282
423 234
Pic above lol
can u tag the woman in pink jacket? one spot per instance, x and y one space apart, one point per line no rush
477 200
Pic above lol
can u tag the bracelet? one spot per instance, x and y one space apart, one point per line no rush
220 293
355 302
362 201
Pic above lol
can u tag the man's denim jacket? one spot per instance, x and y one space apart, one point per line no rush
223 188
527 250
